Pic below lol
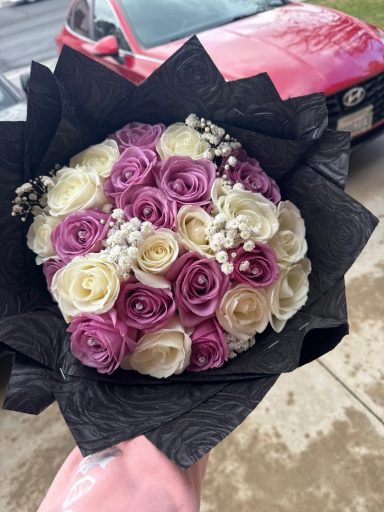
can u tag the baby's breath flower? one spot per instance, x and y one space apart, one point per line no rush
125 262
146 227
228 242
31 197
243 226
227 268
218 237
219 219
135 222
210 230
134 237
221 257
115 251
249 245
244 266
133 252
221 144
120 247
25 187
232 161
117 213
245 234
232 224
47 181
107 207
237 346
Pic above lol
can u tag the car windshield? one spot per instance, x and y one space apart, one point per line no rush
156 22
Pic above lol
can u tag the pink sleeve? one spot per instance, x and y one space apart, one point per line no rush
133 476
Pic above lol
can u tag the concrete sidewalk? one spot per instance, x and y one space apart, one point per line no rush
316 442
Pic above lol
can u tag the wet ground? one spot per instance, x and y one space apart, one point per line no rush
316 442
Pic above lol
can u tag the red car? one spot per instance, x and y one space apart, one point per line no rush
304 48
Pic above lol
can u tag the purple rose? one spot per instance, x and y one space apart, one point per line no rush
187 181
80 233
50 267
209 346
257 267
249 173
149 204
101 341
134 167
141 135
198 285
143 307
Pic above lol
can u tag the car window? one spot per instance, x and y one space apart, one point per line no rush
78 17
105 23
156 22
6 99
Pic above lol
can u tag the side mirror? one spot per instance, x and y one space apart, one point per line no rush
107 46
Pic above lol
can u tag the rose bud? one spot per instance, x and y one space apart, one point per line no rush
186 181
80 233
143 307
134 167
101 341
198 285
141 135
209 346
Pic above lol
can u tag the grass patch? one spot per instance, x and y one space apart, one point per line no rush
371 11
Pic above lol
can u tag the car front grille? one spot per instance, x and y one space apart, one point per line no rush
374 88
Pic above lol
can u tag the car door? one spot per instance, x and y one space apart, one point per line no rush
106 23
77 30
88 22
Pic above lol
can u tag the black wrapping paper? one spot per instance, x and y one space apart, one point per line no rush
186 415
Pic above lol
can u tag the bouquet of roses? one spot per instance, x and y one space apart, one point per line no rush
167 249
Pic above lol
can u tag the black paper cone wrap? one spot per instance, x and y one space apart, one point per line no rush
185 415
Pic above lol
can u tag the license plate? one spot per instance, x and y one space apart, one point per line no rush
358 122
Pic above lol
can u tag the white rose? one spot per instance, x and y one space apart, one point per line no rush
261 214
243 311
39 237
162 353
179 139
289 293
87 284
219 189
289 242
98 158
192 222
156 253
75 189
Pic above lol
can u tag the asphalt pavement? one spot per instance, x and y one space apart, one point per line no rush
27 32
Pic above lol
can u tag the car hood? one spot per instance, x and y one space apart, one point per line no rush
304 48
